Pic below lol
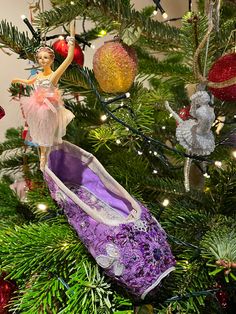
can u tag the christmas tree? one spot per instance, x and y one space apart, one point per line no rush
186 178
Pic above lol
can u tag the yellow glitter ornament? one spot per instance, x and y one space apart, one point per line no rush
115 67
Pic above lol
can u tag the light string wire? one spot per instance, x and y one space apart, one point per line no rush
146 138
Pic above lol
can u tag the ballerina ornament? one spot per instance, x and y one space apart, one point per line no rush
195 134
44 110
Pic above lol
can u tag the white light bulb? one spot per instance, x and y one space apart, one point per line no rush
127 129
42 207
122 104
103 117
154 171
127 95
118 141
163 127
165 15
234 153
140 153
65 245
166 202
206 175
23 16
154 12
150 152
218 164
170 115
155 153
72 3
102 33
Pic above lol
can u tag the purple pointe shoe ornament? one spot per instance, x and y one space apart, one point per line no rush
119 232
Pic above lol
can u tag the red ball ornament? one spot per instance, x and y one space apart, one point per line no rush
61 47
2 112
115 67
184 113
222 78
223 298
7 287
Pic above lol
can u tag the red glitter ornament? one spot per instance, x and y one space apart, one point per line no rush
222 78
184 113
223 298
2 112
61 47
7 287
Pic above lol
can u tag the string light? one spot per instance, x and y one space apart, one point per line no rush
234 153
137 131
150 152
164 15
190 5
42 207
154 171
102 33
27 22
163 127
140 153
218 164
166 202
65 245
118 141
160 8
155 153
206 175
103 118
127 95
72 3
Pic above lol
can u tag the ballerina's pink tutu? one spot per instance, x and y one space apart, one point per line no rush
45 114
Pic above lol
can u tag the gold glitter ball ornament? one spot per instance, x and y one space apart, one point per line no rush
115 67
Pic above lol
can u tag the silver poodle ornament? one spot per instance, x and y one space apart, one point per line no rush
195 134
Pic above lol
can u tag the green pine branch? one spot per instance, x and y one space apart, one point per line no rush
113 15
16 41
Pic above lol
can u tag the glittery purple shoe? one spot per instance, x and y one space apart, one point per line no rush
120 233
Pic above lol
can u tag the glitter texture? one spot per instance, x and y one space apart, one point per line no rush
115 67
224 69
134 252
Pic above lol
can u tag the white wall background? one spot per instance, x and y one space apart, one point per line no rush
11 66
